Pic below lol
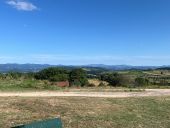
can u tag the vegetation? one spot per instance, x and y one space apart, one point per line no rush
141 82
78 77
53 74
114 79
82 112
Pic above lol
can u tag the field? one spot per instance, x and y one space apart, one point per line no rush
81 112
99 104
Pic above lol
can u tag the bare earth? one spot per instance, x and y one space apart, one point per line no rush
147 92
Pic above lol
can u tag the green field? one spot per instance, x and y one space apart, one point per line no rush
82 112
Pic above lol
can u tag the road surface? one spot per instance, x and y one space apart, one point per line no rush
147 92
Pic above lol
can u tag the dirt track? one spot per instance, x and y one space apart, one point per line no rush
147 92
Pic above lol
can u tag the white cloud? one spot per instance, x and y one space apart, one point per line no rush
22 5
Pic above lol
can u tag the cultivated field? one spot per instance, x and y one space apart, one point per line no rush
81 112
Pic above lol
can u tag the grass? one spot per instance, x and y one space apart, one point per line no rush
38 85
103 89
25 85
157 87
79 112
96 82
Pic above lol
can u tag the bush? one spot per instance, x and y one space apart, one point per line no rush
101 84
114 79
141 82
78 77
14 75
91 85
53 74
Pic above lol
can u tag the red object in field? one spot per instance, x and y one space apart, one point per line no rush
62 83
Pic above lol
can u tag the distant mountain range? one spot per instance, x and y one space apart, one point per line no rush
123 67
22 67
37 67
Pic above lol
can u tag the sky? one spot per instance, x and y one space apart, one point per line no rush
78 32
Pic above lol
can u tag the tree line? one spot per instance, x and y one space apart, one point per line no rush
79 77
76 77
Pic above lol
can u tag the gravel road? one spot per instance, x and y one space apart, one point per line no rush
147 92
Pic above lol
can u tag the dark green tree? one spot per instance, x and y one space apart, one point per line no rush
78 77
114 79
53 74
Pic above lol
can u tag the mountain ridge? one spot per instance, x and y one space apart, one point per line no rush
28 67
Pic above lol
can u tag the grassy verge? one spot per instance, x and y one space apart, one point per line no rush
103 89
38 85
26 85
88 112
157 87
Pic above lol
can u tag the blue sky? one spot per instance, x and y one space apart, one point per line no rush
133 32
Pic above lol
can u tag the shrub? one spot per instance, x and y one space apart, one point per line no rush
53 74
91 85
78 77
141 81
101 84
114 79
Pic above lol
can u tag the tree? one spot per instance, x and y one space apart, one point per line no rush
114 79
53 74
78 77
139 81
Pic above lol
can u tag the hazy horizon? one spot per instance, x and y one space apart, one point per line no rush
92 64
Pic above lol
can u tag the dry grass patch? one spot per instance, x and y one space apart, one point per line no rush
97 82
81 112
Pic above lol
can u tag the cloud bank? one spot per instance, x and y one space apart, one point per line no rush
22 5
